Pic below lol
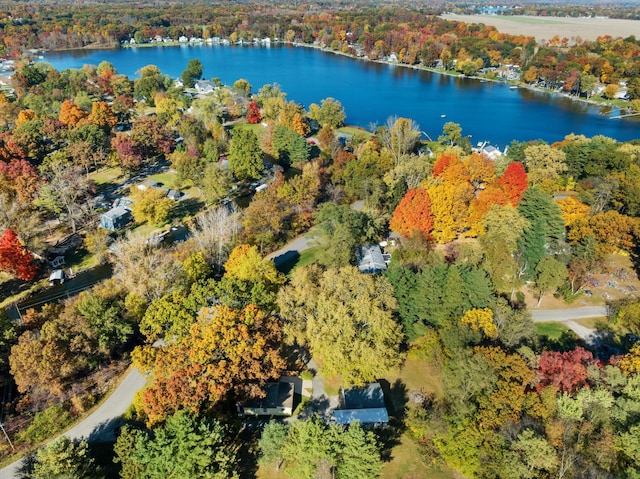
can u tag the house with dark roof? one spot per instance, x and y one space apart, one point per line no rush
277 401
365 405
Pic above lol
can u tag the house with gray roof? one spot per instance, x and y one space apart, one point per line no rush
371 260
116 218
365 405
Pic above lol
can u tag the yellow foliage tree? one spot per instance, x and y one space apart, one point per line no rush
573 210
102 115
481 319
299 125
25 116
150 205
246 263
450 208
630 362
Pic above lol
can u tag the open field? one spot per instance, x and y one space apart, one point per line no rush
544 28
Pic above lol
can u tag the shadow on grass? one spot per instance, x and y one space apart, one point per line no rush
106 188
186 207
396 399
248 451
565 342
287 261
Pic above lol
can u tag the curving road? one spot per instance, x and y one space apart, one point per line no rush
101 423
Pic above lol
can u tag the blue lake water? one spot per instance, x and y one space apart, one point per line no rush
372 92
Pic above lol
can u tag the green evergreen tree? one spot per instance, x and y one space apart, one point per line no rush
192 73
245 155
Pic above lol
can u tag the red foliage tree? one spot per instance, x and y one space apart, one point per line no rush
514 181
253 113
22 178
413 213
567 371
14 257
130 156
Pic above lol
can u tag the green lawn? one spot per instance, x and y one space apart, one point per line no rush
306 257
551 329
354 130
107 175
168 179
408 463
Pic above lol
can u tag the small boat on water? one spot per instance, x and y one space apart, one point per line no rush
443 116
513 87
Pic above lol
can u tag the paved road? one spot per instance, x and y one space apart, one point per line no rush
561 315
71 287
100 425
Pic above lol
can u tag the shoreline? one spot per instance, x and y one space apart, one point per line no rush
518 84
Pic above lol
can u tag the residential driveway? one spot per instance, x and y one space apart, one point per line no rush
301 243
297 245
321 404
568 317
101 424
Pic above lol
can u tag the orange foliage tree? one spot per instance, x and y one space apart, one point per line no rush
480 169
228 353
24 116
70 113
491 195
413 214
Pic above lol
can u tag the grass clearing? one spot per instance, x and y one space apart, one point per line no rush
551 330
407 462
354 130
269 472
419 375
309 256
145 229
594 323
167 179
107 175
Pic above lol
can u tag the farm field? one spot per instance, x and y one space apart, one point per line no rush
544 28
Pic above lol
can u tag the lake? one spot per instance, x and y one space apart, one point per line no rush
372 92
